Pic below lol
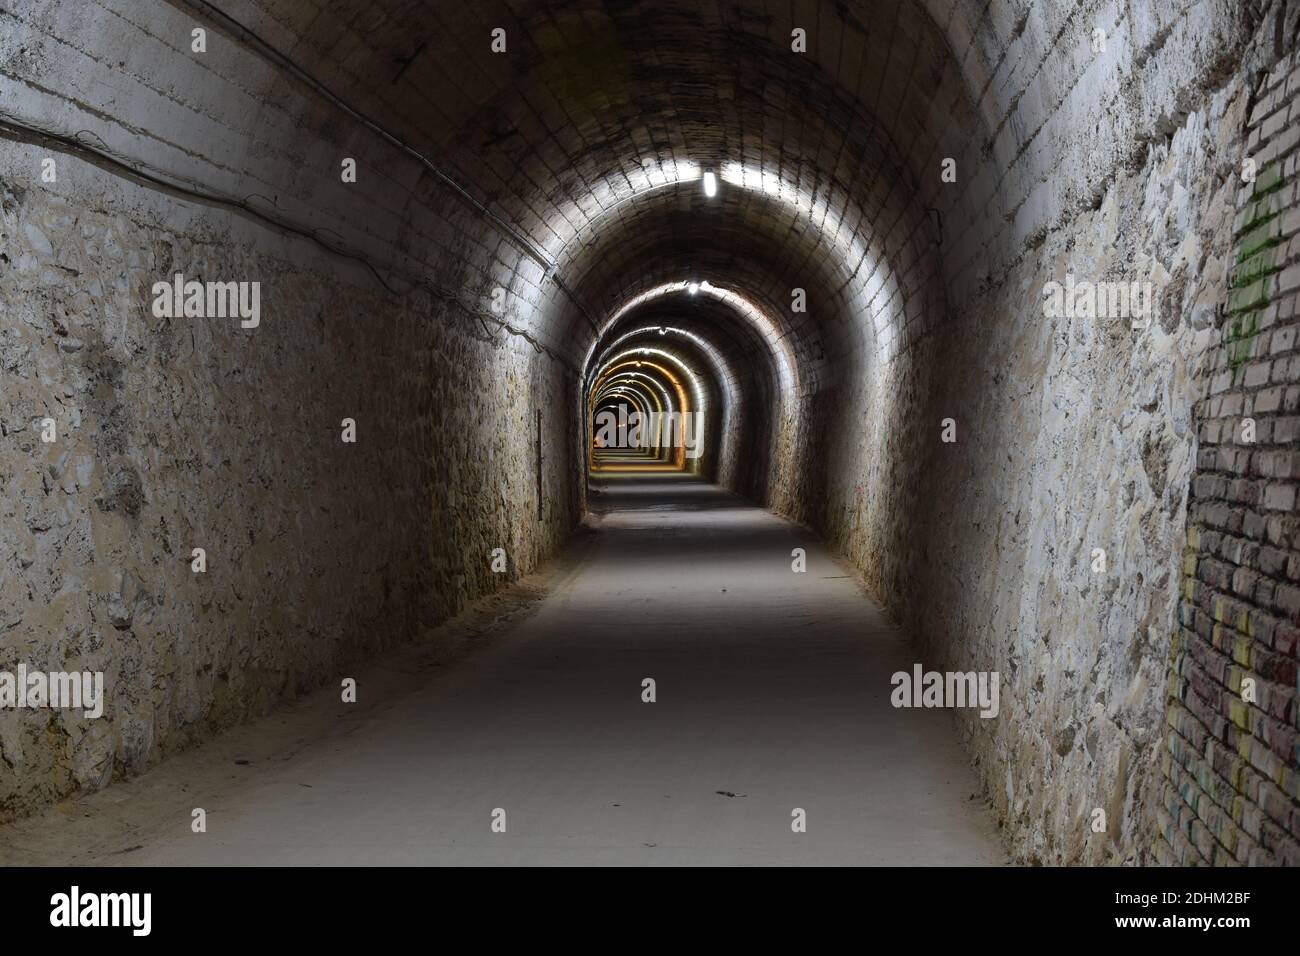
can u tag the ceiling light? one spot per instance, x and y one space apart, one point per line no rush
693 288
710 183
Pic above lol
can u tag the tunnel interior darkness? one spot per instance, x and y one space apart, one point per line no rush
821 227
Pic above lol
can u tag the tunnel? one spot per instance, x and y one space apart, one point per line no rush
725 432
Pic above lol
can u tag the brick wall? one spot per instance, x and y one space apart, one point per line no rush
1232 767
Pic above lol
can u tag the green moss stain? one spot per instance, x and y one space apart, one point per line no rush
1257 261
1269 180
1256 266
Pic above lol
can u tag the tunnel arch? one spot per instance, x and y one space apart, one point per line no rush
639 364
645 401
709 398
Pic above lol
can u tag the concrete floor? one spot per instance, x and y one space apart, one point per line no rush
773 693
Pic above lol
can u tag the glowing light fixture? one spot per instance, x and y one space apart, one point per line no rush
710 183
693 288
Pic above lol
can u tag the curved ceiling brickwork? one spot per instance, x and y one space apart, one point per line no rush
581 133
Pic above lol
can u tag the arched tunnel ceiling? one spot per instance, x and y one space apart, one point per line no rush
734 241
597 101
586 139
728 344
578 137
590 135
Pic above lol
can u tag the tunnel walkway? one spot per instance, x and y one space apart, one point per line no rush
772 694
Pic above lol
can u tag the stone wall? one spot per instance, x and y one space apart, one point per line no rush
1074 435
183 433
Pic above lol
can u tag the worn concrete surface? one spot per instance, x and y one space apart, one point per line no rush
772 693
